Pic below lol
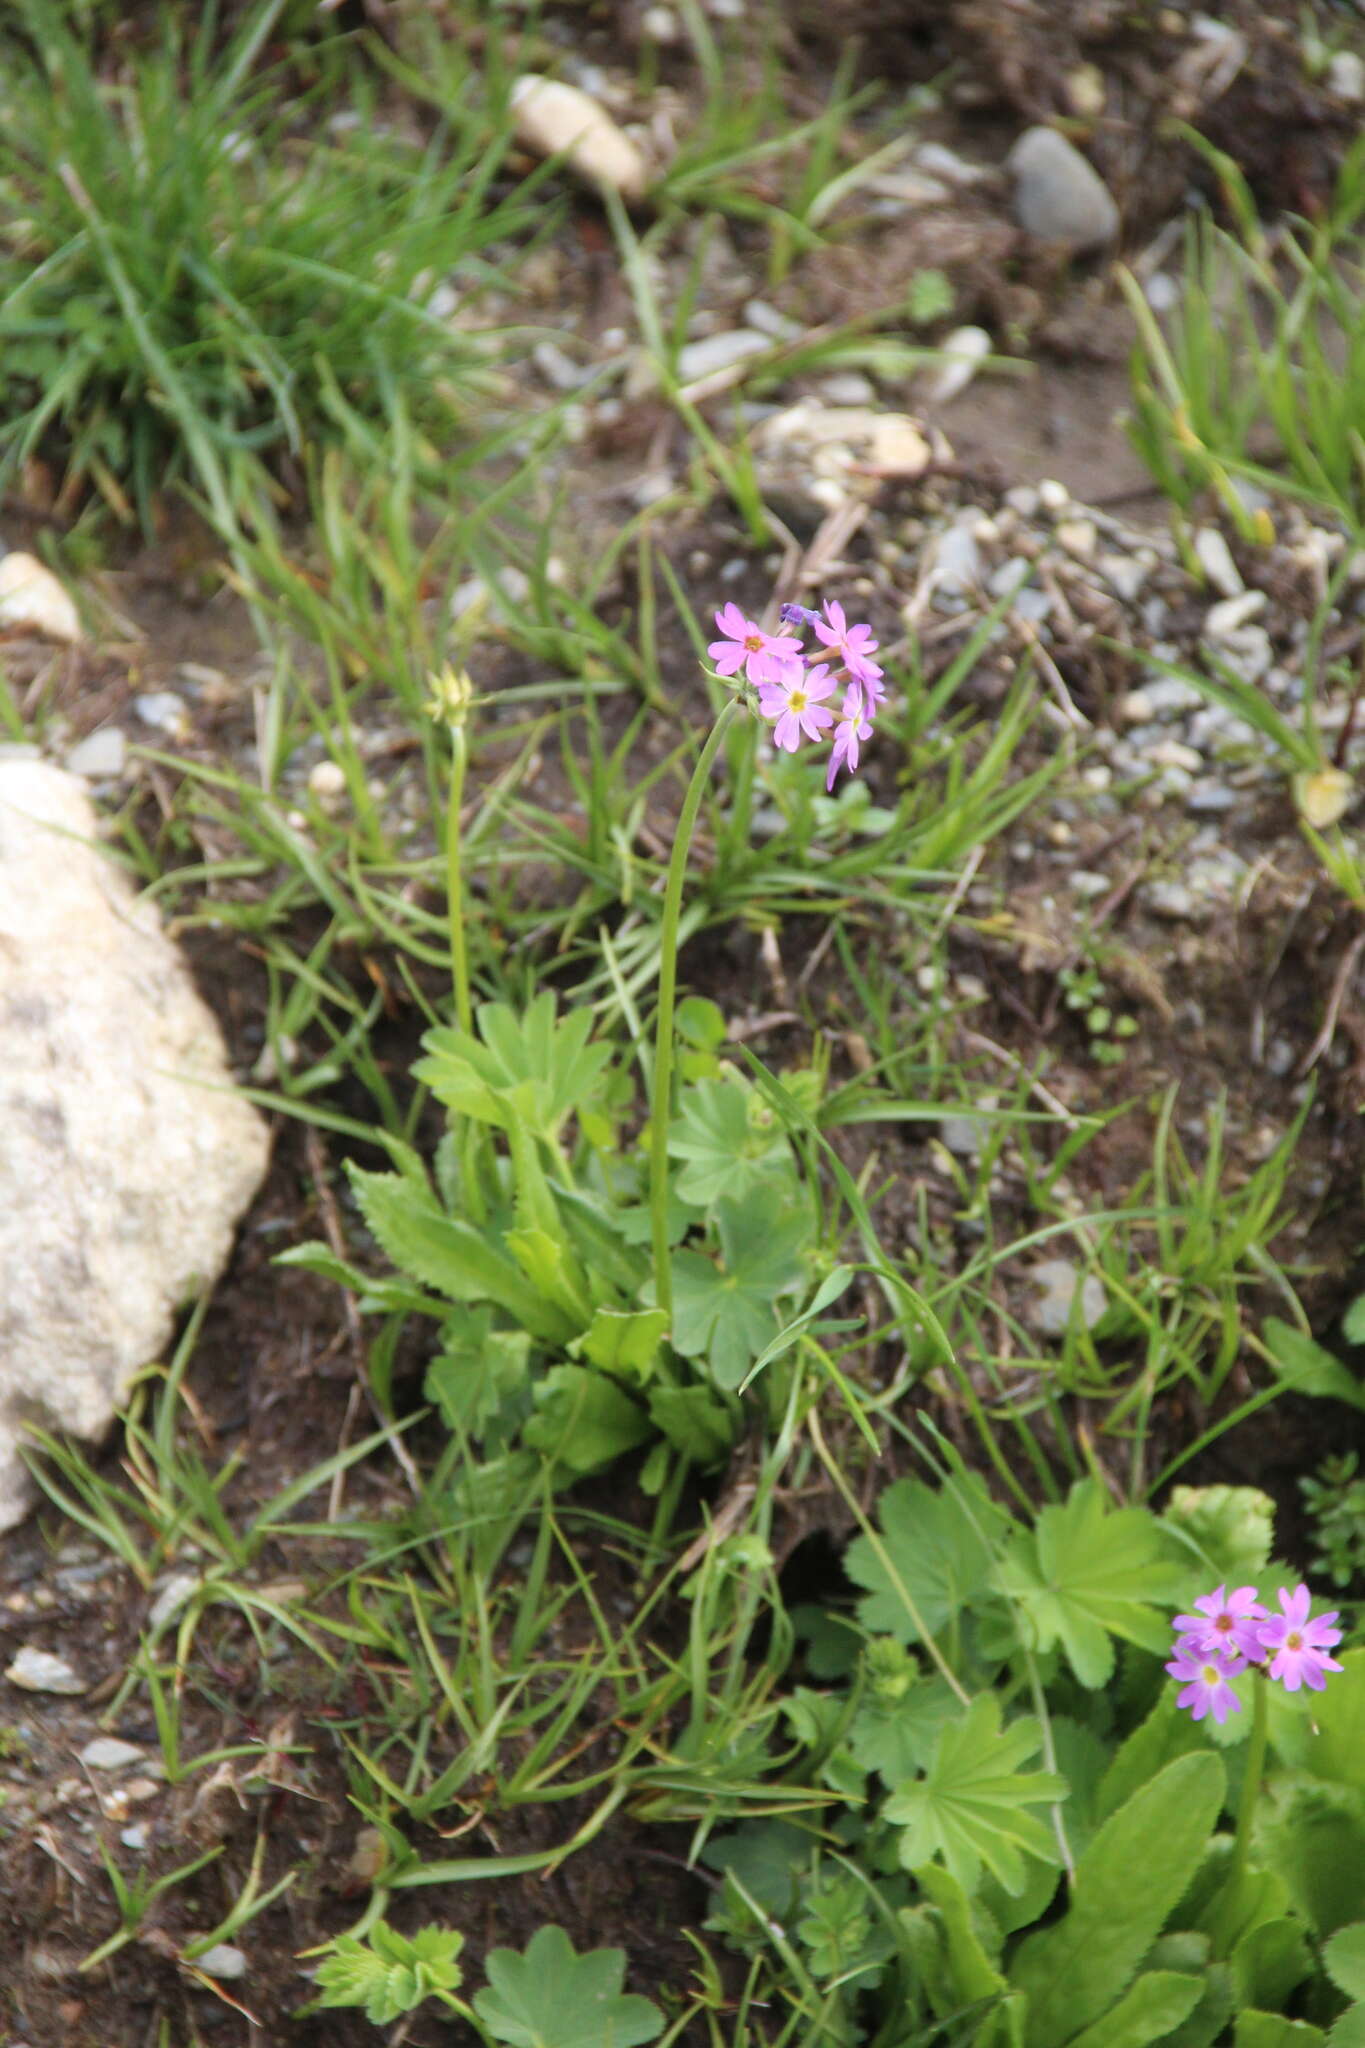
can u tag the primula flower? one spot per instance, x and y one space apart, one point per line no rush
1297 1646
849 734
1225 1626
797 703
852 645
764 657
1204 1684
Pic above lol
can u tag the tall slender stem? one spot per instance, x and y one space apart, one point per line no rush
459 958
1251 1778
661 1106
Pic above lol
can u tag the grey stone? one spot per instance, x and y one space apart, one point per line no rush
39 1671
715 352
107 1753
126 1157
101 755
1215 559
222 1961
1057 1284
1058 196
1224 620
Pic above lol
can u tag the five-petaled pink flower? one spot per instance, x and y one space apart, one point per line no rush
764 657
1297 1646
853 645
1225 1626
853 728
797 703
1204 1683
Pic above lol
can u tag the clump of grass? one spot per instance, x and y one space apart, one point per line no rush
200 277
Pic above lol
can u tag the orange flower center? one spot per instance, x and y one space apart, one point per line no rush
754 643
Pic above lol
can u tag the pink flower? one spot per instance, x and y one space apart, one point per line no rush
762 656
852 645
1225 1627
1204 1684
797 703
1299 1645
852 729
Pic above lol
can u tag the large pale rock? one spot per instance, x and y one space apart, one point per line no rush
122 1175
33 601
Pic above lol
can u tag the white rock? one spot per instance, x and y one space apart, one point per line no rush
941 162
101 755
1053 495
1058 196
965 350
164 711
39 1671
1175 754
175 1594
847 387
698 359
1124 574
963 1135
1078 537
1214 557
126 1159
327 782
33 601
898 447
107 1753
1346 75
660 25
1230 614
1058 1283
222 1961
956 564
553 119
767 320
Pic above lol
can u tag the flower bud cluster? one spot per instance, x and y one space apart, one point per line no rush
795 685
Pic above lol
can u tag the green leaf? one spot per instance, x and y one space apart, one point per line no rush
390 1973
1269 1962
583 1420
526 1069
1329 1740
896 1738
1344 1956
551 1997
1152 2007
1086 1572
1167 1733
1353 1322
414 1231
974 1976
479 1373
971 1807
935 1545
543 1259
1127 1883
695 1421
727 1312
730 1140
769 1857
1313 1836
1307 1368
1349 2030
1268 2030
1233 1527
623 1341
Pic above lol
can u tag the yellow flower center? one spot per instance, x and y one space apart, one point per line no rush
797 700
1293 1641
754 643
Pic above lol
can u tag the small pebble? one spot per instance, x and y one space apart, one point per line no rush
965 350
39 1671
722 351
107 1753
164 712
1052 495
101 755
223 1961
1058 195
1215 559
33 601
1060 1287
1086 883
178 1589
1346 75
1078 537
1224 619
553 118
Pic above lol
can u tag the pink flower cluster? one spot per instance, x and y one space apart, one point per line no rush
1231 1630
795 687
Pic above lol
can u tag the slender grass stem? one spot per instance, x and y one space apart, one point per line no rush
661 1102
